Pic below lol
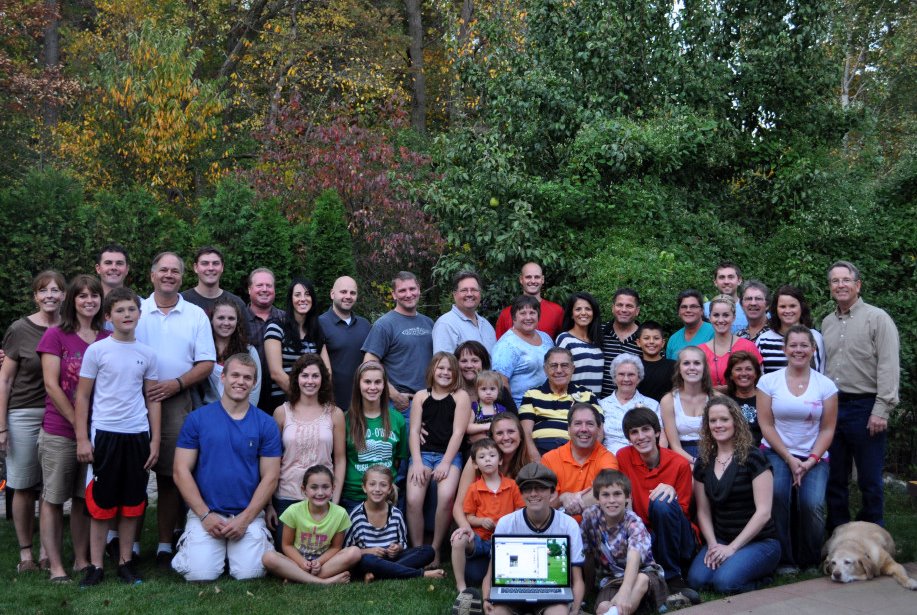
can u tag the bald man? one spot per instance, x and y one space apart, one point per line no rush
531 279
345 333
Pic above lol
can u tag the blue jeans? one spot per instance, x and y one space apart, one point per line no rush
674 542
476 564
741 572
280 505
799 514
853 444
408 565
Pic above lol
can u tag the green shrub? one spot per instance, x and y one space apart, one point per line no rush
330 251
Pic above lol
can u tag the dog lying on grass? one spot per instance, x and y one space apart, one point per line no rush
859 551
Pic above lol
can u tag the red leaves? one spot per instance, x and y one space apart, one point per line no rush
378 181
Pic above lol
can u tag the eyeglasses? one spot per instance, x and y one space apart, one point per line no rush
842 281
559 366
689 307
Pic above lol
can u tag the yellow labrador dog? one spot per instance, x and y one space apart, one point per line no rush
858 551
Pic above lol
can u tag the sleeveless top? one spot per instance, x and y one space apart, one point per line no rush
438 416
480 417
305 444
688 426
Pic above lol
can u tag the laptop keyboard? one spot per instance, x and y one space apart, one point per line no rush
532 590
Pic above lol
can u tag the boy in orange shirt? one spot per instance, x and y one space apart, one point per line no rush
489 497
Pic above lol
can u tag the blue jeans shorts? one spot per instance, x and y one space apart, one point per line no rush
431 460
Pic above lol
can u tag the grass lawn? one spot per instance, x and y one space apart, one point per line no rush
167 592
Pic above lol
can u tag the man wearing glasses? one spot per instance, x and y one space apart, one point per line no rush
696 330
861 343
544 411
463 323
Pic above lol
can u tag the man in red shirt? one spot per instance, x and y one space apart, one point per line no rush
661 495
552 315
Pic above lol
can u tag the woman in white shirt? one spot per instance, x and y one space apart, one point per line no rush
797 412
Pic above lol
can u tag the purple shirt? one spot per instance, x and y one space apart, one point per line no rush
70 347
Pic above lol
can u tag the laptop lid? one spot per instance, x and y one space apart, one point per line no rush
539 560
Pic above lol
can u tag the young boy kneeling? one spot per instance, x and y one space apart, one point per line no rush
627 577
489 498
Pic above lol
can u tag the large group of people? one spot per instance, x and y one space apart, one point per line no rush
321 448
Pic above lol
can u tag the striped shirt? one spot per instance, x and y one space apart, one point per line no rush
274 331
770 345
612 346
365 535
588 361
549 411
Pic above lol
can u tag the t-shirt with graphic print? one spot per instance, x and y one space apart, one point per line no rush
312 538
380 450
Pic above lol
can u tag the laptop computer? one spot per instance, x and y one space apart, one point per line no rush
530 568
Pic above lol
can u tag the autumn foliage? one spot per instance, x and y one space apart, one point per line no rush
376 178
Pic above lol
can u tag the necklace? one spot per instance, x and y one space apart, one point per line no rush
716 359
725 462
167 307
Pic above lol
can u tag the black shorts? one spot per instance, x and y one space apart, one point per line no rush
119 481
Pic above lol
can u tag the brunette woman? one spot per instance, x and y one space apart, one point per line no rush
293 336
63 477
230 338
22 406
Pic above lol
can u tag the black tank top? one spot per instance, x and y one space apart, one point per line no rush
438 416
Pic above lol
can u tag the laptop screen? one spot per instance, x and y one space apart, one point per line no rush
541 561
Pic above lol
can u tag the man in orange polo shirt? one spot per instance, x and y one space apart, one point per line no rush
577 462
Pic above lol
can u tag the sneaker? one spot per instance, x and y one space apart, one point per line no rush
677 585
676 601
113 550
128 575
164 560
468 603
785 571
93 577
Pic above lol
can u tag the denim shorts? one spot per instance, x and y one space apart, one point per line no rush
431 459
481 548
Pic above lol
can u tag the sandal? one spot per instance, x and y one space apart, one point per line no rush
27 565
61 580
44 564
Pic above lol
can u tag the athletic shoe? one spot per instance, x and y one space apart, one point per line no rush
93 577
164 560
677 585
677 601
468 603
113 550
785 571
128 575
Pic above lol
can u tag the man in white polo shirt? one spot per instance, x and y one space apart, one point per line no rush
180 334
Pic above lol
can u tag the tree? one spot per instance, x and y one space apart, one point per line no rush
253 232
330 249
146 118
378 180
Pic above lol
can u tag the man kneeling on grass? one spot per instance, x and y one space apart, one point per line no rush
227 463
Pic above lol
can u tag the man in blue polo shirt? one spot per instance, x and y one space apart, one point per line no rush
227 463
345 333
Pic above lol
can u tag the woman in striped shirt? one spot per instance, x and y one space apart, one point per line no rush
582 336
788 307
